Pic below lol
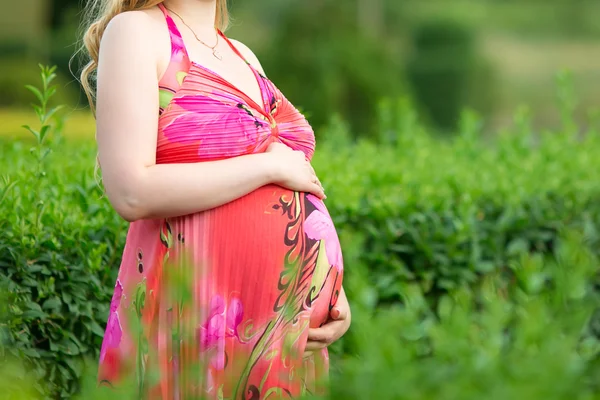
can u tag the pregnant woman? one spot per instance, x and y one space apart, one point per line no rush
230 285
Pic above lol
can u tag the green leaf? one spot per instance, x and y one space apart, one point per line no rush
34 353
39 111
35 268
51 91
66 297
50 74
75 364
36 92
44 155
94 327
53 111
33 131
32 305
6 190
52 303
518 246
43 132
68 347
34 314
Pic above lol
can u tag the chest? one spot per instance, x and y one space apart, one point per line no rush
209 118
225 61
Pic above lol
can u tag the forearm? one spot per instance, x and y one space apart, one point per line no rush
169 190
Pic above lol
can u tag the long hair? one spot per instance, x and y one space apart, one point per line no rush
97 15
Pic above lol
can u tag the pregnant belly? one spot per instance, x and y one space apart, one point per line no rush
274 250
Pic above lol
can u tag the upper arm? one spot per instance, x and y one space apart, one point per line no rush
248 55
127 104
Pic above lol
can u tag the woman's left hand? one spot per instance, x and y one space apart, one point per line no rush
334 328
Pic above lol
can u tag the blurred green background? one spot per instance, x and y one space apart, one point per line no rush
471 239
344 56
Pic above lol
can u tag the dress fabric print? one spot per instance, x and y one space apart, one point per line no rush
218 304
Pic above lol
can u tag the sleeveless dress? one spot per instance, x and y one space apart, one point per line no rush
218 304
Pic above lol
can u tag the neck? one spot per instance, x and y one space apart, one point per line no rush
199 14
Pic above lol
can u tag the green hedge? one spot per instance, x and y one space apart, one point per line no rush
442 213
425 223
59 252
59 249
526 338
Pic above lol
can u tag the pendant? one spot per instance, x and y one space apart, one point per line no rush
217 55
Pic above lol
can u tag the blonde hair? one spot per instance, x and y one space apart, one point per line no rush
97 15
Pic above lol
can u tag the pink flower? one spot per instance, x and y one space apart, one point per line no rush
319 226
235 313
114 331
212 331
222 323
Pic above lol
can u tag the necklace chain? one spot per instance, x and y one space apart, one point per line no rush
215 52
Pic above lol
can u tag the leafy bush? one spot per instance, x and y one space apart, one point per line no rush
447 73
522 339
444 213
427 228
59 250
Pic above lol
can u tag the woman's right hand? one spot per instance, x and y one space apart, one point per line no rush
293 171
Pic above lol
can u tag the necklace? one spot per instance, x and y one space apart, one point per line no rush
215 52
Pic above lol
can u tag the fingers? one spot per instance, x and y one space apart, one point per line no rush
325 334
313 174
315 187
318 191
338 314
330 332
319 338
321 185
312 346
335 313
317 182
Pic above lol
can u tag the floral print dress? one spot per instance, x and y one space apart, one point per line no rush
218 304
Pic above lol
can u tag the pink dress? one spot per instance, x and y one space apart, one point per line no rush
218 304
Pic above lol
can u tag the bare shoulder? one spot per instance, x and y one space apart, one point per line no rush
136 24
248 55
134 32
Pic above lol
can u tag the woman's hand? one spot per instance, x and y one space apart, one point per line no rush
337 325
293 171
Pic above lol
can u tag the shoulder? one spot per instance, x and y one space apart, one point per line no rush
136 32
135 23
248 55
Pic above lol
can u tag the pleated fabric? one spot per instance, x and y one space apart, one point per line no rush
217 304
